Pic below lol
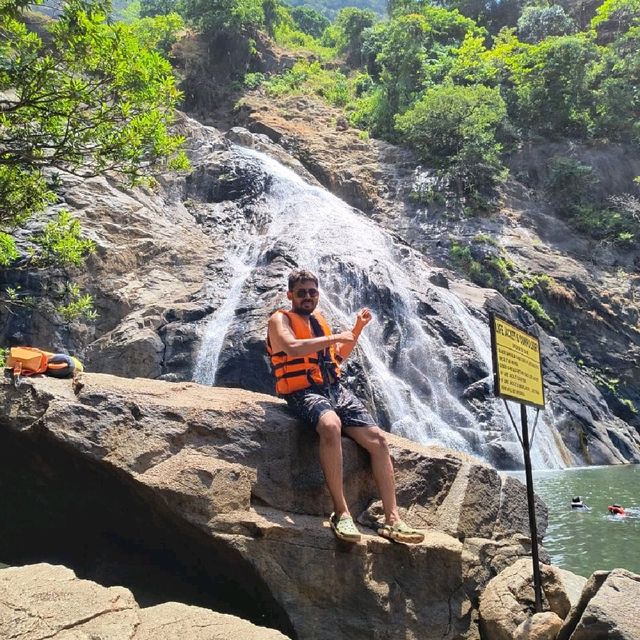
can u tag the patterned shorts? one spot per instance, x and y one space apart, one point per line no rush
310 404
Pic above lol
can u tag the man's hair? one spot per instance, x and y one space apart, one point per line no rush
301 275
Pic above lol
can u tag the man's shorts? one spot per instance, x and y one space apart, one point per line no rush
310 404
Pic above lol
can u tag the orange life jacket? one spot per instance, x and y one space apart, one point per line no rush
294 373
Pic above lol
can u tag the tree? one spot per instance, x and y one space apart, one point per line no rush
350 24
309 20
159 33
88 101
549 87
539 22
414 53
617 98
152 8
224 16
491 14
455 129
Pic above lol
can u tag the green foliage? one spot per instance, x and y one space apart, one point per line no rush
570 187
629 405
60 242
617 97
487 266
462 259
483 238
539 22
310 77
406 55
158 33
349 27
548 86
91 99
76 305
4 353
491 14
616 17
331 8
131 12
472 64
152 8
536 310
253 80
224 16
287 35
455 128
309 21
554 83
603 378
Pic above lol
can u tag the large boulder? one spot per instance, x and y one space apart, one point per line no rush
239 477
42 601
508 602
606 608
541 626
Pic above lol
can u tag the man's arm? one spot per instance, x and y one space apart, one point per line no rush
282 338
363 318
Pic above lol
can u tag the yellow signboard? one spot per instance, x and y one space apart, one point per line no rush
517 365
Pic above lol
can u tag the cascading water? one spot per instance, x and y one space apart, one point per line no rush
242 263
545 452
405 360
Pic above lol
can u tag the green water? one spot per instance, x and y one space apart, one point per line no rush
584 541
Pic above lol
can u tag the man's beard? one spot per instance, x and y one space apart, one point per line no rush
301 311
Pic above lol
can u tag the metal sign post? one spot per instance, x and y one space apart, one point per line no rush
537 580
517 371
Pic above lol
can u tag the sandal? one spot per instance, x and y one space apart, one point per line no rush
344 528
401 532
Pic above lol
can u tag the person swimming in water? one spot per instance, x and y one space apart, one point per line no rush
576 503
616 510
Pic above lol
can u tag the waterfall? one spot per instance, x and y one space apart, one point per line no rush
242 262
406 362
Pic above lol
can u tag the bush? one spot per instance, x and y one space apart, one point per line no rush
569 182
311 77
455 129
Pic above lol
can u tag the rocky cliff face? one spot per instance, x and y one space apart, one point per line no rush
230 496
164 269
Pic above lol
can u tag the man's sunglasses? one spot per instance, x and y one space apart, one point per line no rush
303 293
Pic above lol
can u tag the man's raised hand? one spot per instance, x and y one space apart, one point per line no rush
363 318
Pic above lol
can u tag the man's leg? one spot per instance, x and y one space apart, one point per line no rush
374 441
329 429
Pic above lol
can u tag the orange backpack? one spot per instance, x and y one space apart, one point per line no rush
27 361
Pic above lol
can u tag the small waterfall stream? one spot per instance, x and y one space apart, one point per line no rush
406 364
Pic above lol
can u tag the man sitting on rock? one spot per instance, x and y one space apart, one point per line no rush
306 358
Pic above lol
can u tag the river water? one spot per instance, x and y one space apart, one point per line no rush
584 541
